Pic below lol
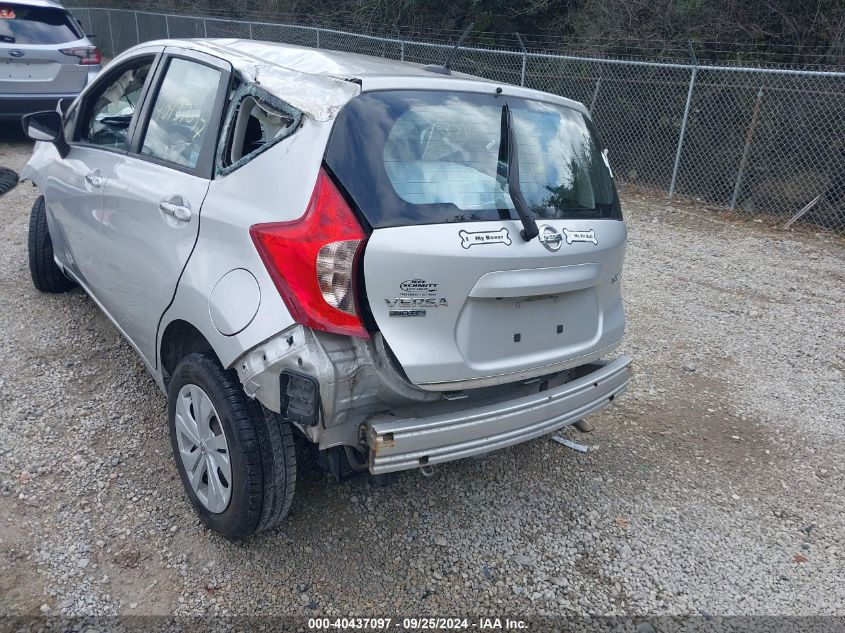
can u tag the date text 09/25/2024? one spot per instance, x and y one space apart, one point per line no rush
416 624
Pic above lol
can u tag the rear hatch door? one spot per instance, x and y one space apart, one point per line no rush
459 296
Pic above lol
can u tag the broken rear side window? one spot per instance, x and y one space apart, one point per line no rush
256 122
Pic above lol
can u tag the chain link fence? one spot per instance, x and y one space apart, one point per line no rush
762 142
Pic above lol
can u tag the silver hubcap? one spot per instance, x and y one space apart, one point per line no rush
203 448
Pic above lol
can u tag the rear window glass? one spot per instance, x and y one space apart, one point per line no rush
36 25
409 157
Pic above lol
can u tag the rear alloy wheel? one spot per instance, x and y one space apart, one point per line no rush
46 275
203 448
236 460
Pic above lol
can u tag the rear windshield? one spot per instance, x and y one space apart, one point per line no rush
414 157
36 25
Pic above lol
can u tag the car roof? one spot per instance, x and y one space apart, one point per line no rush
320 81
322 61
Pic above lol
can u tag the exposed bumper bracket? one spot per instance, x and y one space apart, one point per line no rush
400 444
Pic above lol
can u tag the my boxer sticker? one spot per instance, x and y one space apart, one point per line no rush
484 237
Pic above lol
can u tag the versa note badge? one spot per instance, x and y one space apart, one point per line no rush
413 307
484 237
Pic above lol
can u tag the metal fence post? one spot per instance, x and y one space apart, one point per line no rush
595 93
401 43
683 132
167 25
317 27
111 34
137 32
524 59
204 28
746 150
250 32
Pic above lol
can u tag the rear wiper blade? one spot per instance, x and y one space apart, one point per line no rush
509 160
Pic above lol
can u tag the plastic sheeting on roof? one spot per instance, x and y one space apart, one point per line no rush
318 95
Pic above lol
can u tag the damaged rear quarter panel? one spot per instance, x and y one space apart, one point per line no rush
275 186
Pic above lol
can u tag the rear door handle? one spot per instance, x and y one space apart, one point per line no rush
94 179
175 211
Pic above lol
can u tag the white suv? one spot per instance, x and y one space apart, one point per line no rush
404 267
44 57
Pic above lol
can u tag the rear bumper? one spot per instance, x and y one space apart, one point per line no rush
15 106
400 444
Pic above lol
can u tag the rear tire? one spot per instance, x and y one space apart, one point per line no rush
259 447
46 275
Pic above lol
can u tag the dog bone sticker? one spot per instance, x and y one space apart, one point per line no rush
580 236
484 237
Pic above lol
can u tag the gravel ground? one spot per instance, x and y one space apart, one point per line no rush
715 486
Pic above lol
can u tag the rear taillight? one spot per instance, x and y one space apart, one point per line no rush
87 55
313 261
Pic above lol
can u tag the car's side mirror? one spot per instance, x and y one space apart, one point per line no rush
48 127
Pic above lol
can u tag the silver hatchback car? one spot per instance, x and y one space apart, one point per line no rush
403 267
44 57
